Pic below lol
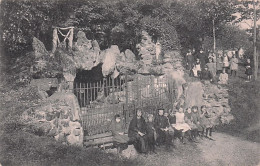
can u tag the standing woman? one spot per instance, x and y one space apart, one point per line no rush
234 65
119 138
219 64
189 59
225 62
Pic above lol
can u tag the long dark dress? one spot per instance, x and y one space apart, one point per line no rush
189 60
203 59
140 142
161 122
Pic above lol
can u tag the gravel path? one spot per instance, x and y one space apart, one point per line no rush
229 150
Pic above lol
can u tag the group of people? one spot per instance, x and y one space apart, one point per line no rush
162 129
214 66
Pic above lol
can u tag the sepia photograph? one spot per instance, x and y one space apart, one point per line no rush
129 83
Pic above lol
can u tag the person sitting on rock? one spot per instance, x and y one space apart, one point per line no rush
206 75
196 70
119 138
205 122
223 77
170 120
180 125
151 134
196 120
137 133
161 125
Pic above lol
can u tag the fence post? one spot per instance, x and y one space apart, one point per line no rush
126 96
113 94
137 91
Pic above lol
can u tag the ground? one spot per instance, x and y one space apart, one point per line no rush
236 144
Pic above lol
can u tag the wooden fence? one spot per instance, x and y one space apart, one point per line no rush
101 100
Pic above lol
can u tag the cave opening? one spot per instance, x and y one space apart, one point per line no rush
91 86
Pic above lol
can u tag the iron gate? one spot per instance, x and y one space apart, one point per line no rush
101 100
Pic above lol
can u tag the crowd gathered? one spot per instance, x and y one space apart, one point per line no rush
215 67
160 130
185 124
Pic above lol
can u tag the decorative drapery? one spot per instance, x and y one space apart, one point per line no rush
56 42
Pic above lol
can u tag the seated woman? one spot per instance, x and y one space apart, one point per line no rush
120 139
223 77
161 125
138 133
180 124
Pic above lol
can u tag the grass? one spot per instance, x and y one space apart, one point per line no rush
244 100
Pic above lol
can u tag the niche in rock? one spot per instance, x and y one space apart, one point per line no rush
91 87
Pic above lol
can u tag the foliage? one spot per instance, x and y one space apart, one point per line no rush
176 23
230 37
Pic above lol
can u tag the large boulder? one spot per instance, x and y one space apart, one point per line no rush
178 78
129 56
194 94
86 52
39 48
109 62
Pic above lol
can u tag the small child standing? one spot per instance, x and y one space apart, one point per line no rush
196 120
249 71
205 122
189 121
151 134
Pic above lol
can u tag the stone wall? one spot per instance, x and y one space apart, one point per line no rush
58 117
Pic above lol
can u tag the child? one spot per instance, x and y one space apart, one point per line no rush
170 121
180 124
219 64
151 134
196 68
120 139
225 63
196 120
204 121
212 67
223 77
189 121
206 75
249 71
161 125
234 65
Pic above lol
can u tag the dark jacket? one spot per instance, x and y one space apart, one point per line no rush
161 122
205 75
137 125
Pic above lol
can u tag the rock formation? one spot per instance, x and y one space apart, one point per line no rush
58 117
